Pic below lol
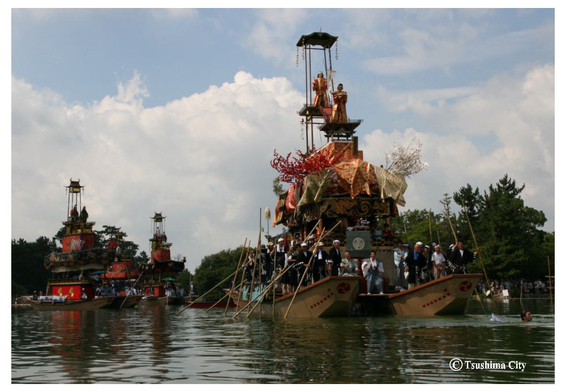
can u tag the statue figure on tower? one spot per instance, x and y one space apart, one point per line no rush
320 86
339 109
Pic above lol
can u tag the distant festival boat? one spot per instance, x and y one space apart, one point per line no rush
160 274
72 285
122 272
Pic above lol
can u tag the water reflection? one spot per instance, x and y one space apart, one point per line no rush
152 345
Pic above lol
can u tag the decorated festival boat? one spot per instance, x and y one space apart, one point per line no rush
73 279
334 187
159 276
121 275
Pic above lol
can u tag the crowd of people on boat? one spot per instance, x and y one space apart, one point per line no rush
299 265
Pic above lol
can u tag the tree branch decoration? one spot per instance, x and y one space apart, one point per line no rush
292 170
405 160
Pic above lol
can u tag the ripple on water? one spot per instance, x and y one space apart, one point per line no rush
152 345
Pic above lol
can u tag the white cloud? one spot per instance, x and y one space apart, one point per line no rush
517 112
274 28
202 160
440 46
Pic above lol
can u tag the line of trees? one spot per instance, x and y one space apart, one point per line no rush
507 231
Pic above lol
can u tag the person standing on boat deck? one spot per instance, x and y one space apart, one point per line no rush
286 280
303 259
320 257
414 261
372 269
280 251
424 275
348 266
270 254
460 258
399 255
438 261
335 258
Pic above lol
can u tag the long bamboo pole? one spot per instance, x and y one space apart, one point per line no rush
189 305
260 296
550 284
243 276
226 295
430 226
236 276
479 254
256 260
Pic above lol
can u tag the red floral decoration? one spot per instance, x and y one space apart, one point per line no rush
293 169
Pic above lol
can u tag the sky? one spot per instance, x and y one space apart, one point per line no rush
179 111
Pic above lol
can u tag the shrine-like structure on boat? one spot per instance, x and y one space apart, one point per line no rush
72 269
160 274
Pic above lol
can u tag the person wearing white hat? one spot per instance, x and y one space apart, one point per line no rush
335 258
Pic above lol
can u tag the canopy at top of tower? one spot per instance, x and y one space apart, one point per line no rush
322 39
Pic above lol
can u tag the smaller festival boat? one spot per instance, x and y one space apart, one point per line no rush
441 297
61 303
160 274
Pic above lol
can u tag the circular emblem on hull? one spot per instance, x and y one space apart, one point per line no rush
358 243
343 288
465 285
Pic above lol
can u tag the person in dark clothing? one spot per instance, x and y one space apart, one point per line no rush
335 257
319 263
414 262
303 258
460 257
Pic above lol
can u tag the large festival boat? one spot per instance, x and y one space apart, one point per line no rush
73 279
333 187
159 275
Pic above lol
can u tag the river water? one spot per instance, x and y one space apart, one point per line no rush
152 345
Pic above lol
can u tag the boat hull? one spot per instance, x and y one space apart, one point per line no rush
85 304
153 301
330 297
125 302
178 300
445 296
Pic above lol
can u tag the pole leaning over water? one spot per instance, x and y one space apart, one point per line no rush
479 253
189 305
306 269
236 276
